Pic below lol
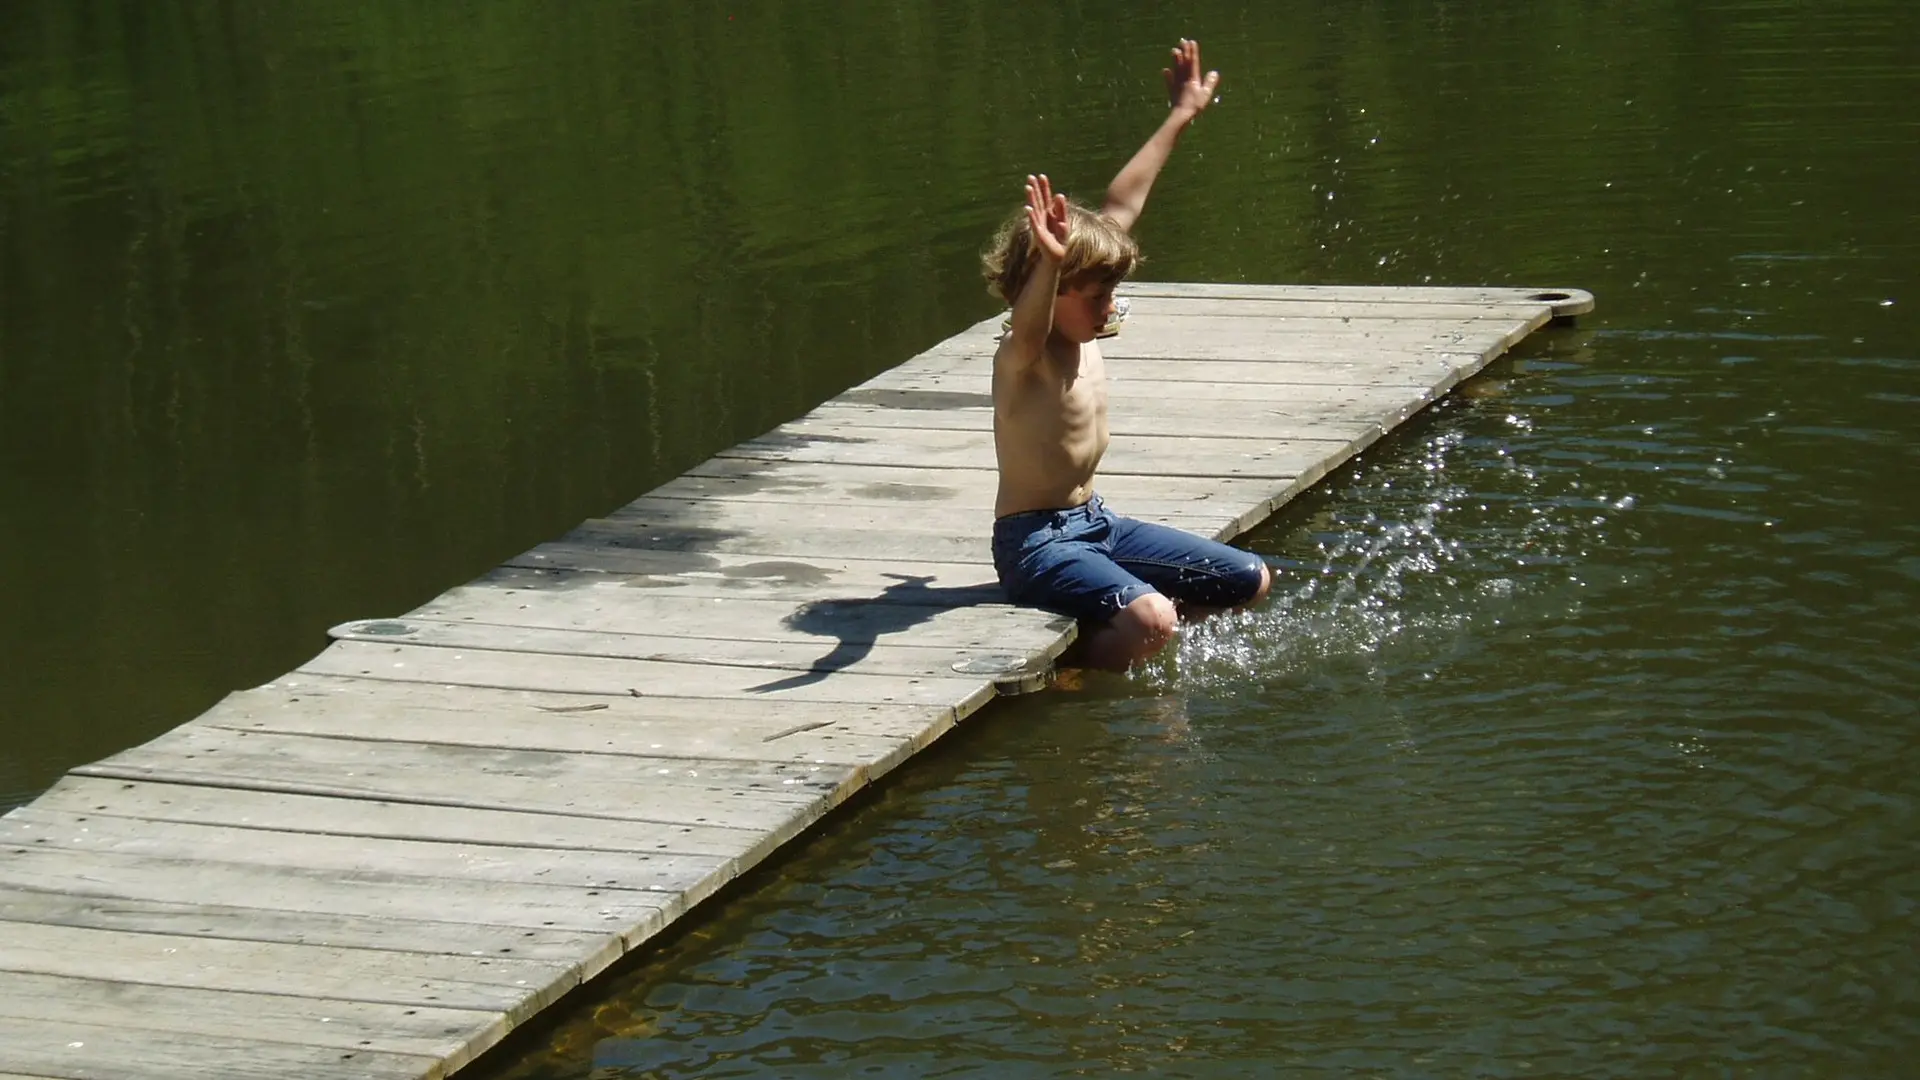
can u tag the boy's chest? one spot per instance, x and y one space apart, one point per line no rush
1080 381
1057 392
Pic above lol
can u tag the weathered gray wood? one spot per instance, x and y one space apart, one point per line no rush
1134 401
677 728
1288 340
723 574
1277 457
1145 303
477 983
791 578
461 812
144 915
910 486
969 546
773 656
1168 376
1235 417
1577 302
436 1034
1281 341
368 894
907 486
44 830
72 1050
642 678
1224 420
699 728
773 518
288 812
614 607
758 796
908 489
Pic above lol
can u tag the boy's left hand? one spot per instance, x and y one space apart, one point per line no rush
1047 217
1187 91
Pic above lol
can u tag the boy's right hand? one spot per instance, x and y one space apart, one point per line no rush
1047 217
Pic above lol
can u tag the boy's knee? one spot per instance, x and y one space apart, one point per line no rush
1266 583
1152 620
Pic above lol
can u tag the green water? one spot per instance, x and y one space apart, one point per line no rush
1578 740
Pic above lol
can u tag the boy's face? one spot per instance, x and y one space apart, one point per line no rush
1080 311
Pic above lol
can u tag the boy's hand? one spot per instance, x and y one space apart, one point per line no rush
1047 217
1187 91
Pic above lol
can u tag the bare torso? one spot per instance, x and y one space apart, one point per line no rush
1049 428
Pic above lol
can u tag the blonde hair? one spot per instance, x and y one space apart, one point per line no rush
1098 249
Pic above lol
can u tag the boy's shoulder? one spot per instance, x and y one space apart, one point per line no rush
1011 355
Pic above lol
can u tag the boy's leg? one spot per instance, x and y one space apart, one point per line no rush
1059 561
1201 576
1138 632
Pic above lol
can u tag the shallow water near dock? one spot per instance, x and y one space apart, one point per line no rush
1579 737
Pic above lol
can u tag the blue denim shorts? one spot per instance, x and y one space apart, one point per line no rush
1089 562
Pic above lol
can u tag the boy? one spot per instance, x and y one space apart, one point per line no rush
1055 545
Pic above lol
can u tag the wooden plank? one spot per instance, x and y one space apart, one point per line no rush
723 574
741 795
1276 457
72 1050
1578 301
701 728
1146 304
790 481
1130 400
287 812
907 486
435 1034
1177 380
415 980
46 830
864 658
1281 341
1288 340
641 678
778 514
796 578
1352 365
970 547
1215 419
770 528
366 894
677 729
1136 413
191 918
613 607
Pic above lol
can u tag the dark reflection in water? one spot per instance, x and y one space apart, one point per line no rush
1578 740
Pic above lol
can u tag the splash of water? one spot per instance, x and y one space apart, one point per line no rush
1411 559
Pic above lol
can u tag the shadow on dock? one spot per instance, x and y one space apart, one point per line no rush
897 608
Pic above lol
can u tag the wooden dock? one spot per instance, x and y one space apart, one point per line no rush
379 864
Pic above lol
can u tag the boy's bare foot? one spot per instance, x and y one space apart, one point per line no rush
1070 680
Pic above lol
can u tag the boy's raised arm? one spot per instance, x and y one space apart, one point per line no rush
1033 308
1188 95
